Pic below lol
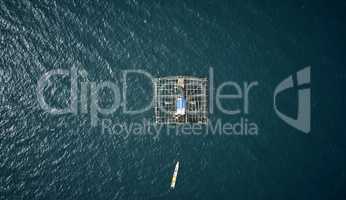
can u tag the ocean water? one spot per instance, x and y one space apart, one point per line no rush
46 156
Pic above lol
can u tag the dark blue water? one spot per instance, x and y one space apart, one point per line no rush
45 156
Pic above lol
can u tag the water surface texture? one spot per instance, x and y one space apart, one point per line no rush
45 156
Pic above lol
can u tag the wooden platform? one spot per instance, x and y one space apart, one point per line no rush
168 89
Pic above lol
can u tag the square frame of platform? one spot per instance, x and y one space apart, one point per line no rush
181 99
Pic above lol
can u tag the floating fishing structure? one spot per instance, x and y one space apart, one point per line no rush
181 99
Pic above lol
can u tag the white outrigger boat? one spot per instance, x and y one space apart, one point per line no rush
175 174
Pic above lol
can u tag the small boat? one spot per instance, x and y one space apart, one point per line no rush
175 174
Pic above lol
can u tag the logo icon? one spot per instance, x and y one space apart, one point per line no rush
303 121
